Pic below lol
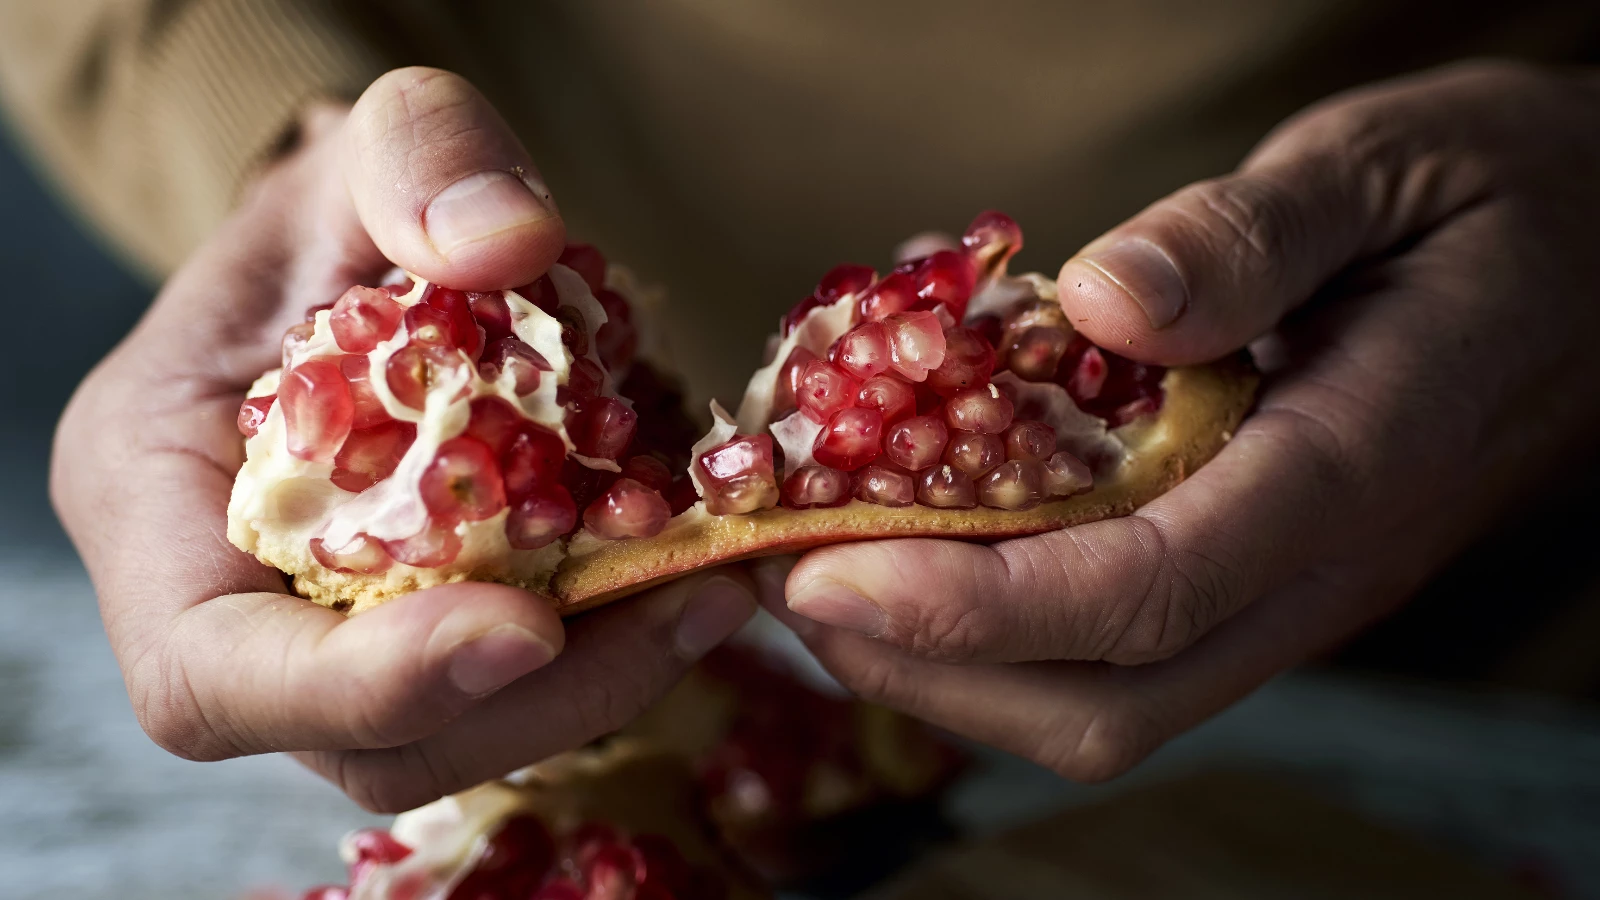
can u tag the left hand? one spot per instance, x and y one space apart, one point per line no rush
1425 250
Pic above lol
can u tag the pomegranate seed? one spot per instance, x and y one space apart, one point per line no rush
369 410
916 443
524 363
982 409
295 338
896 293
311 314
584 483
885 486
1035 353
560 889
864 351
532 458
663 865
1089 377
789 377
627 509
648 471
316 408
361 555
682 495
968 362
811 486
946 487
888 395
617 340
463 481
944 277
738 477
496 423
612 872
1017 484
791 319
587 262
437 544
373 847
541 517
457 309
492 313
846 278
916 343
1030 440
253 412
825 389
574 330
415 368
370 455
327 892
521 842
852 438
601 427
975 454
541 293
989 328
992 238
1133 409
584 381
363 318
1065 475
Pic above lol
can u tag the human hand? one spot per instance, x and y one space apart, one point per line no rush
1422 252
424 695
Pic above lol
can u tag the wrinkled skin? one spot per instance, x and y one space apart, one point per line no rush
1422 257
432 692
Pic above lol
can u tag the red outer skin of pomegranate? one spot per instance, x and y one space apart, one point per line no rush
1201 409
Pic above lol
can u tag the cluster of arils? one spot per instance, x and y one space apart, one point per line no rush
522 861
903 405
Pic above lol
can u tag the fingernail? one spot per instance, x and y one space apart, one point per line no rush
480 206
496 658
1146 274
834 604
714 613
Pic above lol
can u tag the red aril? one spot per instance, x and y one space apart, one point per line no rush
524 363
370 455
888 395
916 343
253 412
463 482
495 422
811 486
1035 353
327 892
993 237
1017 484
533 458
541 293
653 473
896 293
437 544
461 329
885 486
361 554
317 409
1065 475
363 318
311 314
988 327
627 509
982 409
1030 440
516 859
540 517
737 476
588 262
946 487
975 454
415 368
1089 376
1133 409
662 865
968 362
945 277
369 410
851 439
584 381
617 340
789 378
574 330
372 847
492 313
612 872
294 338
792 318
601 427
916 443
682 496
864 351
846 278
825 389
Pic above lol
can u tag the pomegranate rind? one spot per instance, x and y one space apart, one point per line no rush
1203 407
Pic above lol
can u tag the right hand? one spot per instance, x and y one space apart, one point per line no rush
429 693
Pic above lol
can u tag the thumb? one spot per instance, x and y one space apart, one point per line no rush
1206 270
444 187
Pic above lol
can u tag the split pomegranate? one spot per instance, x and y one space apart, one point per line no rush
525 364
968 362
369 409
864 352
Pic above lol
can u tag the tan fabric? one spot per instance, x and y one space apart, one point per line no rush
731 149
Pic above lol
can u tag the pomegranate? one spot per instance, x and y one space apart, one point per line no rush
890 396
968 362
540 517
317 409
825 389
885 486
852 438
463 481
1030 440
864 352
738 476
601 427
975 454
369 455
946 487
916 443
627 509
811 486
253 412
362 318
916 344
1016 484
982 409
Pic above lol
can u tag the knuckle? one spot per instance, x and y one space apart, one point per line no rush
951 631
1246 222
1190 590
168 709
